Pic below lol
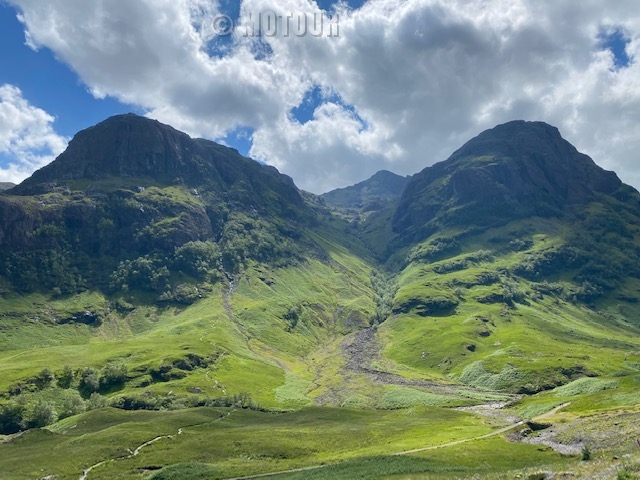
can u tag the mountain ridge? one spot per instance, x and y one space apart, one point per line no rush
133 146
514 170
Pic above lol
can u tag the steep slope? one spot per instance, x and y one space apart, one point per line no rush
129 192
370 195
516 170
147 267
130 146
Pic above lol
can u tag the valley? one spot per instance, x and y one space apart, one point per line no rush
170 309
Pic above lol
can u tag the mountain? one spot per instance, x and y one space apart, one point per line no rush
131 189
370 195
508 239
134 147
168 293
6 186
516 170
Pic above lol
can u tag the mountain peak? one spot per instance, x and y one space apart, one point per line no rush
131 146
370 195
122 146
511 171
517 137
384 174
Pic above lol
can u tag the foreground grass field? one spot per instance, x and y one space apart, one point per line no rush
243 442
214 443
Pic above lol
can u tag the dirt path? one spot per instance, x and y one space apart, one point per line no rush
11 438
407 452
139 448
488 435
551 413
13 356
135 453
460 442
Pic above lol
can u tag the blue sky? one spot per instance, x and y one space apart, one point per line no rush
404 85
48 83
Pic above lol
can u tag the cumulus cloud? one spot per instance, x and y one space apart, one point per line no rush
404 83
27 138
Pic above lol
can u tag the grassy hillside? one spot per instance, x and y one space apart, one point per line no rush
233 442
471 312
462 327
251 333
279 340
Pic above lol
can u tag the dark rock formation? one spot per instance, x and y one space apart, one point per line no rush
512 171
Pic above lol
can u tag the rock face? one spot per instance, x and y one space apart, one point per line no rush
130 146
373 194
131 187
126 148
512 171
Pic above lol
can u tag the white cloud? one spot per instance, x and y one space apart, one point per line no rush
27 137
421 76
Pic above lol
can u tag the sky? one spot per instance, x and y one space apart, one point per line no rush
383 84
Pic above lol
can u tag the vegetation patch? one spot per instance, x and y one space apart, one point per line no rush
186 471
404 397
585 386
477 375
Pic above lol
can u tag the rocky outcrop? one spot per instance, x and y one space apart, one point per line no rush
515 170
133 147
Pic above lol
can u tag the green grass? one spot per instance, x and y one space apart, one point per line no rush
585 386
404 397
235 441
586 396
186 471
288 367
261 353
294 390
378 468
488 344
471 460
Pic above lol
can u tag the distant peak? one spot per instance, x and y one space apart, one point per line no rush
375 193
386 175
